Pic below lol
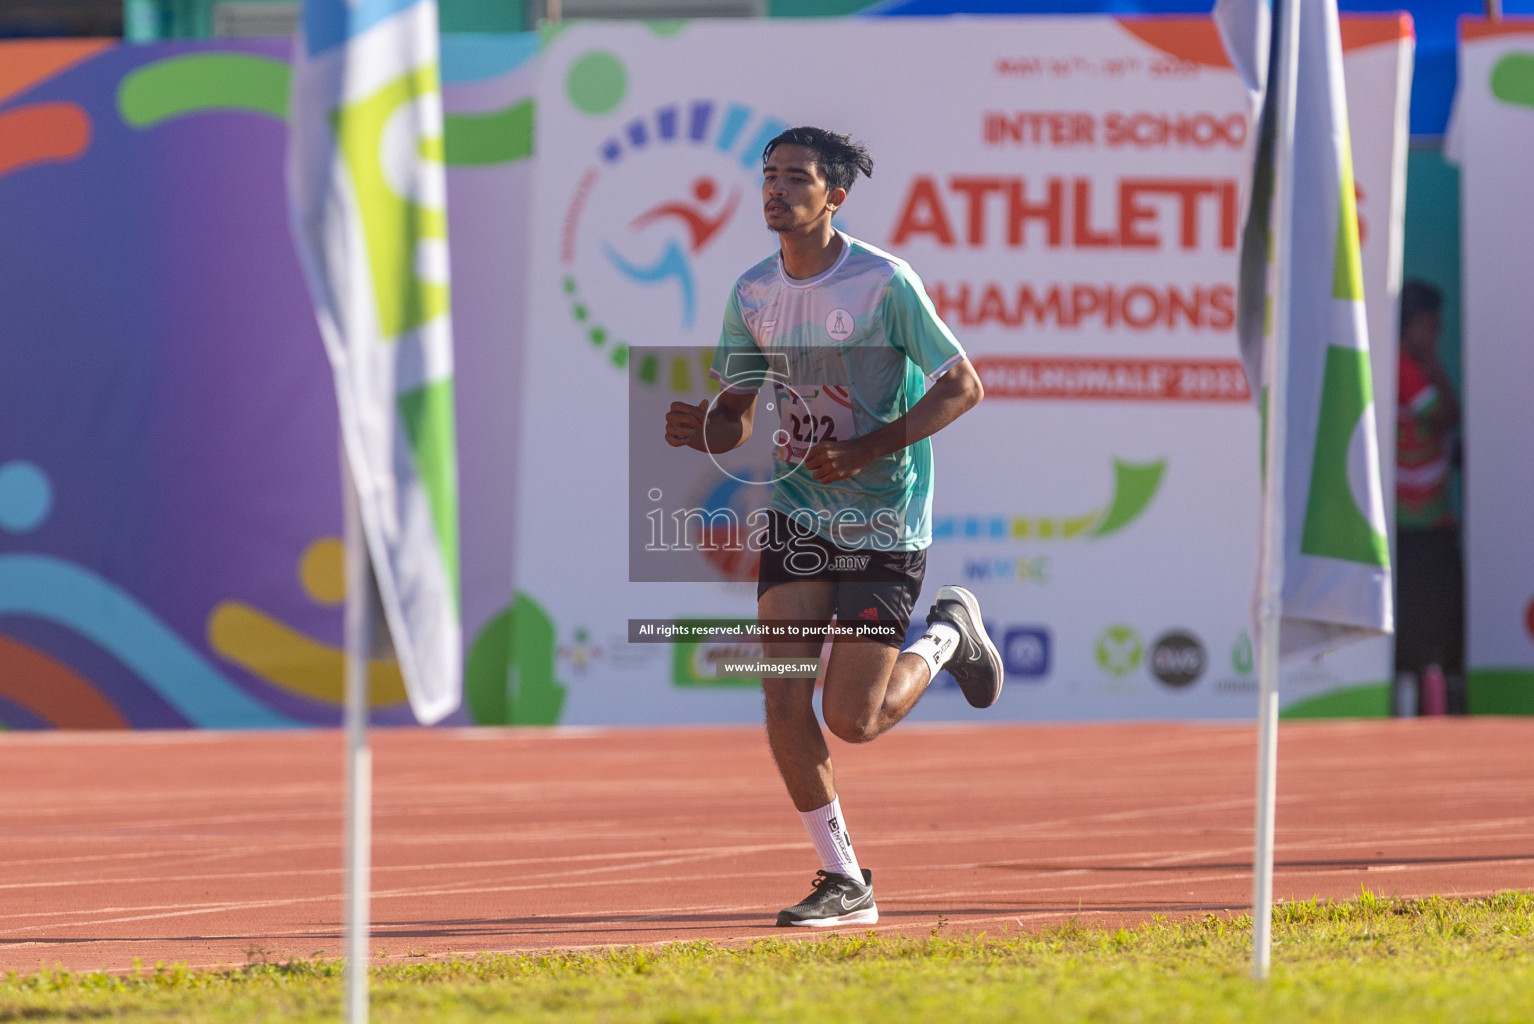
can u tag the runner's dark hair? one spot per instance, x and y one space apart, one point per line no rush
840 159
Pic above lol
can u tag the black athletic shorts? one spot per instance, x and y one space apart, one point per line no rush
871 586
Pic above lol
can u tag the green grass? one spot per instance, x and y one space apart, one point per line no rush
1368 959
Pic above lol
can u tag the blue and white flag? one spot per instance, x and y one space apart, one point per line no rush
367 193
1336 571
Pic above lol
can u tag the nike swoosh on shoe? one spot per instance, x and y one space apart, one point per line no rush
978 653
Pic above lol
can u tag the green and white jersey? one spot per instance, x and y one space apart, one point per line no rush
844 353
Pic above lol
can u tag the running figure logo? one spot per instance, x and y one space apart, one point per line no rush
675 261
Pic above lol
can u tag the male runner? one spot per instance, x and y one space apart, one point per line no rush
846 335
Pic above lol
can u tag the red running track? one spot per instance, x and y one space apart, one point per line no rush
209 848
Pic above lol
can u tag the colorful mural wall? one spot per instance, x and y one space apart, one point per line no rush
169 470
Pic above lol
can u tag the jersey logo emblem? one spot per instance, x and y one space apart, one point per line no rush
839 324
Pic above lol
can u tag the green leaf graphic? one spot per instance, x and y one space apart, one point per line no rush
509 676
1134 486
1335 527
497 137
196 83
426 414
1512 80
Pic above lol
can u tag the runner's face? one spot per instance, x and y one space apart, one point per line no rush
794 192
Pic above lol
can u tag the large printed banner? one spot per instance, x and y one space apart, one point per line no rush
170 502
1494 134
169 476
1067 189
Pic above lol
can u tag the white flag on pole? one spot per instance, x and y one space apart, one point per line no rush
367 193
1336 565
1246 29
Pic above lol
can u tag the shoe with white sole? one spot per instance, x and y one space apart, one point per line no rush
976 665
836 900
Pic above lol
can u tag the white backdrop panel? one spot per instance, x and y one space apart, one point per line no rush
1066 187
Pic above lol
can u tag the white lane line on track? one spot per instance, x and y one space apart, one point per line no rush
644 858
1391 843
1427 835
194 909
382 836
385 832
200 855
133 823
1291 877
137 826
995 892
382 934
381 931
991 892
462 889
671 858
959 920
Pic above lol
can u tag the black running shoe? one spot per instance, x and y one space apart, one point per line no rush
837 900
976 665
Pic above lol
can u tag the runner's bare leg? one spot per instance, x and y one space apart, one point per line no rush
869 687
793 732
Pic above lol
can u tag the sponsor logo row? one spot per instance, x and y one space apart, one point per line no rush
1175 658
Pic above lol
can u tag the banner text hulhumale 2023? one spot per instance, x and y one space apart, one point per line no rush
1067 189
1495 138
170 502
169 479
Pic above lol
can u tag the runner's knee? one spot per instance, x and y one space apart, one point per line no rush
850 727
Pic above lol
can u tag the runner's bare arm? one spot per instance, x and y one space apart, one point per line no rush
951 396
728 422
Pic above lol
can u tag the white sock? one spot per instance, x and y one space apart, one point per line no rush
935 646
828 831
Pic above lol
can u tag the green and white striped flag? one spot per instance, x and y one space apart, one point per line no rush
367 193
1336 564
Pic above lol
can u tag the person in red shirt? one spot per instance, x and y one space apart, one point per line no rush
1430 602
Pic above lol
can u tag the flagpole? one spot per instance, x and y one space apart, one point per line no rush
1272 566
359 756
